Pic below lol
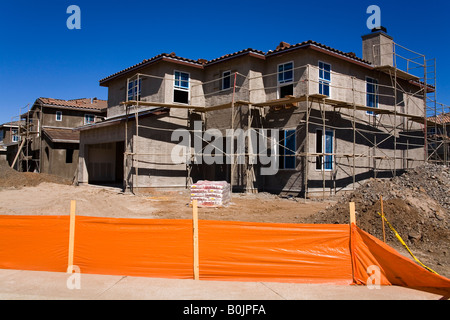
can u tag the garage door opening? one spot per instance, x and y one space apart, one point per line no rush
105 164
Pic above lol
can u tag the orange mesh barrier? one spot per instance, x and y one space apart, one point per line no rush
395 268
34 242
229 250
134 247
247 251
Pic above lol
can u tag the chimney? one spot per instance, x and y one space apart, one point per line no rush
378 47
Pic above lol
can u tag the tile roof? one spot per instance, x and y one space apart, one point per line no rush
283 47
62 135
171 56
94 104
232 55
441 118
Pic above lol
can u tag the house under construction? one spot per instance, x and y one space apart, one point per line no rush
46 141
340 119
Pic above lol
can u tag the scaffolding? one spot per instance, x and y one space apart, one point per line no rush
27 131
438 119
400 120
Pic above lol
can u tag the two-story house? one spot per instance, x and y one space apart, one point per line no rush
335 119
50 142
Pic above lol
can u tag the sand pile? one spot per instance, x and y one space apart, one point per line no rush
10 178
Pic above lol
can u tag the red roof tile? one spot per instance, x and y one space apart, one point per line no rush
441 118
235 54
94 104
282 47
172 55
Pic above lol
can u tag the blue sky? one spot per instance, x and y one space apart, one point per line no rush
41 57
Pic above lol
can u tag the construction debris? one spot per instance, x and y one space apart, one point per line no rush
416 203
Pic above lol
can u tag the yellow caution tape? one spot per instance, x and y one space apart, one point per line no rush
404 244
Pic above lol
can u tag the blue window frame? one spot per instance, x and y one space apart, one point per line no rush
134 90
285 72
89 118
324 78
371 93
181 80
328 160
325 144
181 87
15 135
287 149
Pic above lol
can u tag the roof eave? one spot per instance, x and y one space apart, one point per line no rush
73 108
313 46
141 65
340 56
118 119
64 141
251 53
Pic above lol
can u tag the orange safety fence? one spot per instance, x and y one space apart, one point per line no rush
395 268
228 250
248 251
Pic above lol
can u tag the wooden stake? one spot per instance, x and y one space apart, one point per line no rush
71 235
382 218
195 223
352 213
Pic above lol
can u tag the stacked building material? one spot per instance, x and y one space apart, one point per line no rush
211 193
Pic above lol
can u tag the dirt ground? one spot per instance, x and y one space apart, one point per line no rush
54 199
41 194
417 204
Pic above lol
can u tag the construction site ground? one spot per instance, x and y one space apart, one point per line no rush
417 204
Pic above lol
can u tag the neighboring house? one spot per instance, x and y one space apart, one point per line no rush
9 140
50 143
340 119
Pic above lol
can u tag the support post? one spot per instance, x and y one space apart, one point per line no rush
71 236
195 224
18 152
354 133
382 218
352 213
306 150
323 114
233 166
